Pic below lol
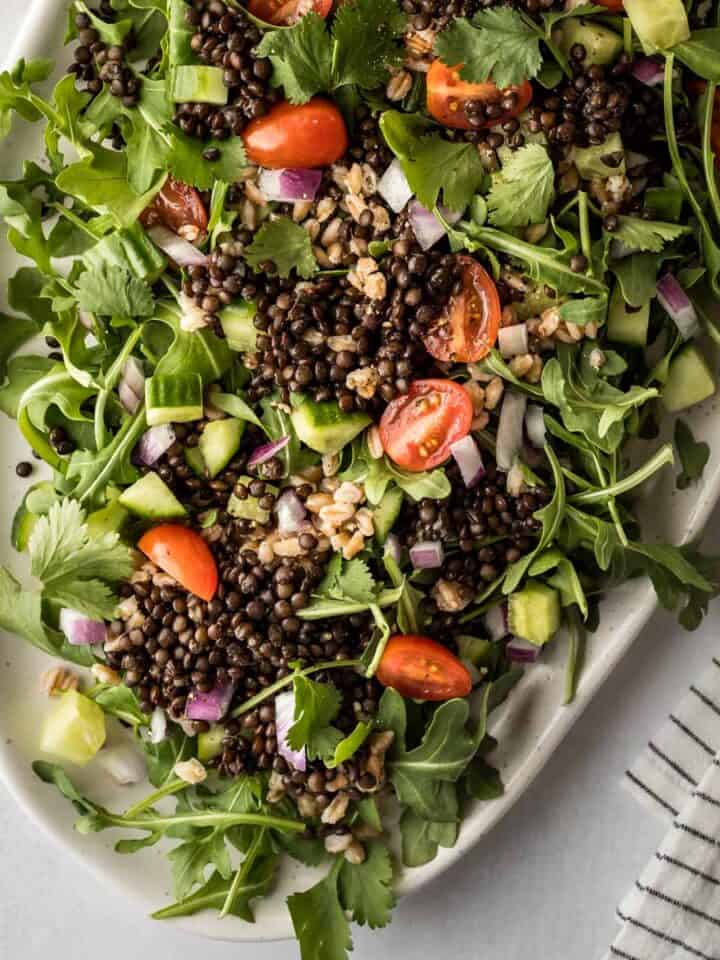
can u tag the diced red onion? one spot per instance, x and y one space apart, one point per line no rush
392 547
128 398
81 630
158 725
427 555
648 71
211 706
469 460
677 304
284 719
394 188
520 651
290 184
290 512
495 621
131 388
426 226
181 251
154 443
535 425
510 429
513 340
123 763
267 451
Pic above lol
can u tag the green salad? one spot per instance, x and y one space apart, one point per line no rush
346 341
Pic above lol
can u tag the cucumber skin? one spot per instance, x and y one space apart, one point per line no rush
199 84
534 613
690 380
325 428
173 399
626 327
219 442
602 45
249 508
238 326
151 498
386 513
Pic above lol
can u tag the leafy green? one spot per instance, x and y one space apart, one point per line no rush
523 191
320 925
377 475
284 244
500 45
365 889
316 705
646 235
483 782
420 838
119 701
693 454
113 291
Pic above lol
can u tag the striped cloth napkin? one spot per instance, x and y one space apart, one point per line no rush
673 911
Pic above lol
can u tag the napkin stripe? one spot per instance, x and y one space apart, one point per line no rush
662 936
621 953
693 736
676 903
672 764
686 866
651 793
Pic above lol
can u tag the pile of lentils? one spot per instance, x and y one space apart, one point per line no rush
436 14
225 37
97 64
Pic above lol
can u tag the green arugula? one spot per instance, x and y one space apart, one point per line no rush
420 838
523 191
319 920
378 475
693 454
285 245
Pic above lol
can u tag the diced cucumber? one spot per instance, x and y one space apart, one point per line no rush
589 160
196 84
194 460
210 743
476 650
660 24
690 380
324 427
238 326
249 508
386 513
534 613
602 45
665 203
36 503
151 497
173 399
108 519
219 442
74 730
626 325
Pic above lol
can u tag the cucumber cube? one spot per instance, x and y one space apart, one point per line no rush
625 325
195 84
74 730
238 326
150 497
534 613
219 442
325 428
690 380
210 743
173 399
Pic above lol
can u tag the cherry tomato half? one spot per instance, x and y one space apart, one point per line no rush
312 134
447 95
179 208
183 554
418 428
420 668
284 14
468 327
614 6
697 88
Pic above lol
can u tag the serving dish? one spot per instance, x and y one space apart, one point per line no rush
533 715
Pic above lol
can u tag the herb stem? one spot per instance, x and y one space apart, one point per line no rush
241 873
201 818
663 457
286 681
174 786
627 37
112 376
585 239
707 151
576 655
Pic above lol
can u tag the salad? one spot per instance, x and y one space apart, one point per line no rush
360 321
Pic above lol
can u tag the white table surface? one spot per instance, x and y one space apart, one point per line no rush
544 884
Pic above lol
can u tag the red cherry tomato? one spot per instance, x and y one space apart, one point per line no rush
420 668
615 6
183 554
284 14
447 95
179 208
312 134
697 88
418 428
468 327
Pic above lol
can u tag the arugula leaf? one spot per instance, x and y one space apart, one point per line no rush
378 475
576 655
693 454
214 894
320 925
420 838
113 291
483 782
646 235
54 774
14 332
284 244
637 276
523 191
365 889
119 701
500 45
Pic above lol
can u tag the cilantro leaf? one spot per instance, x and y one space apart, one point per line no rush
349 745
316 706
356 582
646 235
365 34
694 455
522 192
112 291
500 44
320 925
286 245
301 57
365 889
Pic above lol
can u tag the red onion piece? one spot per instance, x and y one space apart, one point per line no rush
267 451
427 555
510 429
392 547
495 621
290 184
80 630
181 251
513 340
426 226
154 443
648 71
469 460
284 719
211 706
158 725
520 651
131 388
290 512
128 398
535 425
677 304
394 188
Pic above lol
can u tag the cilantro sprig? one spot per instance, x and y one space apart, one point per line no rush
523 191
